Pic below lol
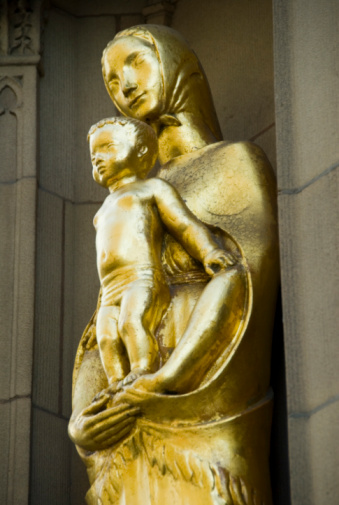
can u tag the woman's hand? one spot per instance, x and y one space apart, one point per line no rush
97 427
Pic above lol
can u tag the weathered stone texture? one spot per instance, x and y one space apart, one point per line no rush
17 229
233 41
69 340
307 99
86 281
81 286
79 479
48 303
7 250
57 106
93 102
315 471
307 83
309 231
51 452
15 418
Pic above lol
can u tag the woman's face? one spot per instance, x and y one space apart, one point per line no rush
133 76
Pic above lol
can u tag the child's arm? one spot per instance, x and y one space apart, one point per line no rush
188 230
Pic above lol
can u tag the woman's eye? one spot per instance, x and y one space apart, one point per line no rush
139 60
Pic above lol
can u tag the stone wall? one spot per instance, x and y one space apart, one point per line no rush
307 115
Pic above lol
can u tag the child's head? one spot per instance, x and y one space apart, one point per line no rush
121 147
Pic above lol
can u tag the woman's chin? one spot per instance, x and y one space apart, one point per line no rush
145 112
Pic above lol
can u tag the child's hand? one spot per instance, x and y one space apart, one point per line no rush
110 391
217 260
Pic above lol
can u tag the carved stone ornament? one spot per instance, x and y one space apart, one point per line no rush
171 395
21 23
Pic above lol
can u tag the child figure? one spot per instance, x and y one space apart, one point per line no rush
129 233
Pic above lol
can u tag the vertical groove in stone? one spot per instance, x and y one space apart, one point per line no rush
58 106
48 295
62 310
51 457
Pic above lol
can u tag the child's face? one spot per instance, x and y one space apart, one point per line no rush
113 154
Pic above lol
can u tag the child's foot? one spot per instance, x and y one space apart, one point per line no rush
132 376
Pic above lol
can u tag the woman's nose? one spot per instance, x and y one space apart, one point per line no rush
128 87
128 81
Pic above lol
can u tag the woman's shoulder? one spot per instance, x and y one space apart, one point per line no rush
220 163
230 185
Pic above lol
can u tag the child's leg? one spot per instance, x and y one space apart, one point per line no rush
112 350
140 313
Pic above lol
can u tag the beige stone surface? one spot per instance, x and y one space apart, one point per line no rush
48 306
307 121
313 455
100 7
267 142
86 281
79 479
81 287
19 97
51 451
7 265
129 20
58 106
17 232
69 343
17 275
79 99
15 454
8 134
309 236
4 444
234 43
23 296
93 102
307 83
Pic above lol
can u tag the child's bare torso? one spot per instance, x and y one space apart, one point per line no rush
129 231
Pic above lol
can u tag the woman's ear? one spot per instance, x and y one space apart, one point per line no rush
142 150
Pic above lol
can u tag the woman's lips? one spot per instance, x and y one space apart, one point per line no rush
135 100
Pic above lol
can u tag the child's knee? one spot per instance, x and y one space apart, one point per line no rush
129 326
105 340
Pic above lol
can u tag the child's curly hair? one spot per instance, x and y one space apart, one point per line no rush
141 132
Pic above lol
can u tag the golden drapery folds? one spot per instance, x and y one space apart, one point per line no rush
197 430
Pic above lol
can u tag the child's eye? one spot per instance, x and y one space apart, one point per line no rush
113 83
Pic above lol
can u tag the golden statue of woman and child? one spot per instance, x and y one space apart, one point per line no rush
171 397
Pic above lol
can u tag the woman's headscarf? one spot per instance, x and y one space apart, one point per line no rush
185 86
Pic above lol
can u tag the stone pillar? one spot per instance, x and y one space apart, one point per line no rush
307 123
19 58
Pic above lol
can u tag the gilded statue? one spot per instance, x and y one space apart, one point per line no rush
171 396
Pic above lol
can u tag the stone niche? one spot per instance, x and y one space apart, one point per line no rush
234 42
47 104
